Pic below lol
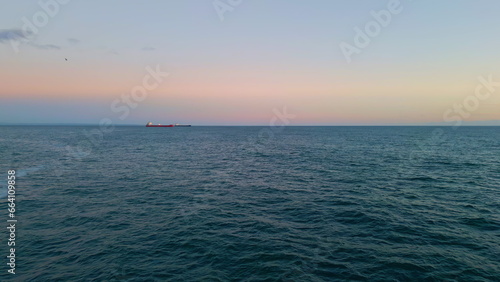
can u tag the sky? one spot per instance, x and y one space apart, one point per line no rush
247 62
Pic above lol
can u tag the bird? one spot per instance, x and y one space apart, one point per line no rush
66 59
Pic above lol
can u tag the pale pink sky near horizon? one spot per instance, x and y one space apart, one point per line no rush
262 57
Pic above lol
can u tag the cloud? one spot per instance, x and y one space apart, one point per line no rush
45 46
11 34
148 48
73 41
7 35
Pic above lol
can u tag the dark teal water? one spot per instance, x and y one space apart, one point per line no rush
254 204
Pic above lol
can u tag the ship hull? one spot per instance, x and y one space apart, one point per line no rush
159 125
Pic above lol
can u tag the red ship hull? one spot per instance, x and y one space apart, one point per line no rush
159 125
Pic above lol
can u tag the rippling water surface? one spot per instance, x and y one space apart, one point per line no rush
241 204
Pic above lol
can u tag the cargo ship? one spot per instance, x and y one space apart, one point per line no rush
150 124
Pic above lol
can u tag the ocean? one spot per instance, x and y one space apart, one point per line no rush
252 203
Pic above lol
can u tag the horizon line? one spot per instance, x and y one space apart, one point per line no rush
260 125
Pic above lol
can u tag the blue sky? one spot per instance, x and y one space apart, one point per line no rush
263 55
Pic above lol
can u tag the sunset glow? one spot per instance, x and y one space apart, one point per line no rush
260 57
